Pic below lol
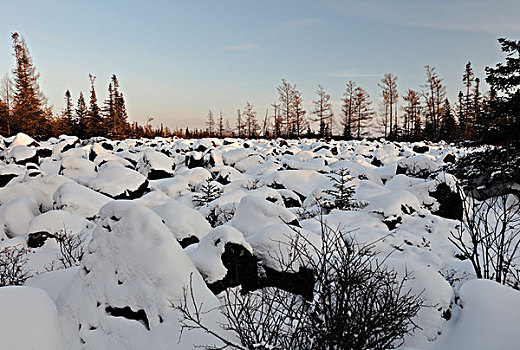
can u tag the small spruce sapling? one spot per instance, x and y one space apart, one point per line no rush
342 191
209 192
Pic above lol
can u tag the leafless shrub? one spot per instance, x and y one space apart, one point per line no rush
72 248
489 237
218 215
13 266
357 302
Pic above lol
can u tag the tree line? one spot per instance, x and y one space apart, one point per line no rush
417 114
24 107
424 114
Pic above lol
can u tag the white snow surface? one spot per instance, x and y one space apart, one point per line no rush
134 266
132 261
28 319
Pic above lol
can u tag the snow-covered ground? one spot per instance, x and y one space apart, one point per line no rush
153 216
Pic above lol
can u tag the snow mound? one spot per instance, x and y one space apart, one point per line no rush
155 165
79 199
489 318
28 319
187 225
207 255
72 167
274 246
133 270
117 182
254 213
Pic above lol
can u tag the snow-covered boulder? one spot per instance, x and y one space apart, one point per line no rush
16 215
50 223
275 246
417 166
132 272
187 225
22 155
117 182
72 167
172 187
487 318
28 319
225 259
254 213
155 165
79 199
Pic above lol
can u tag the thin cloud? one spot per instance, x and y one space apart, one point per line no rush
299 24
353 75
243 47
470 27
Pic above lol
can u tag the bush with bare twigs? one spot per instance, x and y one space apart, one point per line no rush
489 237
357 303
13 266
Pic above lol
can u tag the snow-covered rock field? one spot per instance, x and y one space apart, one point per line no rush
148 217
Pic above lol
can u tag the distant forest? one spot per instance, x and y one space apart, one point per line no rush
490 117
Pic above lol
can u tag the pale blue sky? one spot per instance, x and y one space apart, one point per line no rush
175 60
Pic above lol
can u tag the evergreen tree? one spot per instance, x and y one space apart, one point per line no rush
504 78
251 124
362 110
240 124
66 122
220 125
448 125
6 102
116 119
466 122
390 95
435 94
323 112
342 190
210 123
412 113
348 109
299 123
81 112
285 95
92 125
29 111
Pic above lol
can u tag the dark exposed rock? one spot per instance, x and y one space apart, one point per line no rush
201 148
128 313
449 158
242 269
450 202
155 174
37 239
33 159
290 199
376 162
129 194
45 152
5 178
320 148
107 146
392 222
188 241
194 162
420 149
300 283
92 155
